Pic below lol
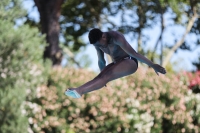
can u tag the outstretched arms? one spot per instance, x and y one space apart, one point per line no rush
121 41
101 60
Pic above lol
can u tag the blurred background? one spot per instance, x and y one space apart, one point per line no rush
44 50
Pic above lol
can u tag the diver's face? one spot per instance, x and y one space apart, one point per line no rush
103 40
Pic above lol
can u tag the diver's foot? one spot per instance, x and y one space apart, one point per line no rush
72 93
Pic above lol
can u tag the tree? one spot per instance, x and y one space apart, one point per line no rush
162 8
11 10
80 16
21 67
49 20
142 15
192 12
146 14
21 71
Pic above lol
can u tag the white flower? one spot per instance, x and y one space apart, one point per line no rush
128 100
30 120
198 97
134 111
129 116
189 92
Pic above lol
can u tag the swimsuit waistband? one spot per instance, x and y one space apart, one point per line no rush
129 57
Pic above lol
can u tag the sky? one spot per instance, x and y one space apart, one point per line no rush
184 58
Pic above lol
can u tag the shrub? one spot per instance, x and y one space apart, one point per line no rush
21 71
194 81
142 102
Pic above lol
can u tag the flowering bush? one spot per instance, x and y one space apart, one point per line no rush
194 81
140 103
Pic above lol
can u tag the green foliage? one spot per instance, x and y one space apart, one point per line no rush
79 16
140 103
20 62
11 10
21 71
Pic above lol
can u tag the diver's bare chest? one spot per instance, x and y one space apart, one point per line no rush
109 49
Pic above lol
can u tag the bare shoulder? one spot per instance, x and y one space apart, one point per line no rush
118 38
115 34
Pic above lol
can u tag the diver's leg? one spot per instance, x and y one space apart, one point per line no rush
99 75
112 72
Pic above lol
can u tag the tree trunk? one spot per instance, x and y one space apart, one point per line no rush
161 35
139 41
180 42
141 26
161 40
49 19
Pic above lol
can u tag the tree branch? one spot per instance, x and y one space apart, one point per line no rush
71 56
161 9
180 42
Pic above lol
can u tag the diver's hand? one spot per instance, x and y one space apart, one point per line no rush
157 68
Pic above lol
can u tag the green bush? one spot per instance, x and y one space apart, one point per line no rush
21 71
140 103
11 10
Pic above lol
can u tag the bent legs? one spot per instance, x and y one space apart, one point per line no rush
109 73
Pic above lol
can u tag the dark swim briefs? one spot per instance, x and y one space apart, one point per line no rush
128 57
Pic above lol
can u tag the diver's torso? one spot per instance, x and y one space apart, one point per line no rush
114 50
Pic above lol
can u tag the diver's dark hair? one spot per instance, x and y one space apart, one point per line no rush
94 35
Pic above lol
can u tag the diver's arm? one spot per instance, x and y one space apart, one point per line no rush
121 41
101 60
